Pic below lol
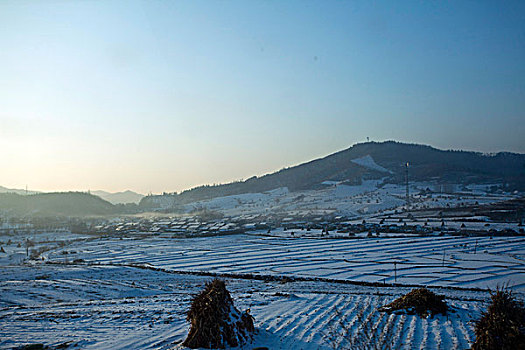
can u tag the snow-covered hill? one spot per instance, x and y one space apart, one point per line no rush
340 198
448 170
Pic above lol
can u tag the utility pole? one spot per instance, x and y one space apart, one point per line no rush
407 190
395 271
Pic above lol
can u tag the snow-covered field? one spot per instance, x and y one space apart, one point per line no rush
101 307
474 262
132 293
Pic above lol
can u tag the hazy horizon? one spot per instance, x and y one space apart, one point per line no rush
165 96
210 183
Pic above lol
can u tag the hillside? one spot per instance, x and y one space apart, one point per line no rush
119 197
55 204
373 160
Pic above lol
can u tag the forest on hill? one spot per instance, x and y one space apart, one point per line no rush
425 163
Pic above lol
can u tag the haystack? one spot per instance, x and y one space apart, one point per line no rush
502 326
215 322
419 301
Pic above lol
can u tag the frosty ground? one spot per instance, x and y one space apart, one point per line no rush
304 292
122 307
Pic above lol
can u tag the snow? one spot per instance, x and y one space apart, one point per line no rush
330 183
95 307
99 292
337 198
351 191
369 163
474 262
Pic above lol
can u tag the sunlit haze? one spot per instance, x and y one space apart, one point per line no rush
164 96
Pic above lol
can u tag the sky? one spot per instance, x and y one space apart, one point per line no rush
157 96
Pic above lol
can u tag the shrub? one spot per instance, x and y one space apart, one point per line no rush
502 326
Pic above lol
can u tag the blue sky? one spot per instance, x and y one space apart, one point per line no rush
163 96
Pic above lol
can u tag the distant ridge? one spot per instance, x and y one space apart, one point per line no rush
55 204
124 197
426 163
17 191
